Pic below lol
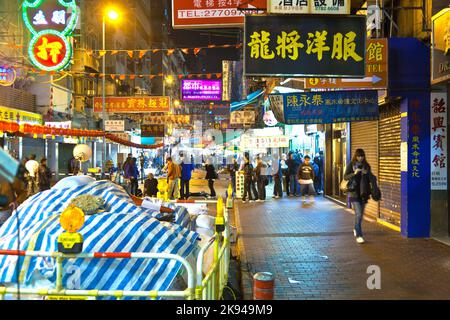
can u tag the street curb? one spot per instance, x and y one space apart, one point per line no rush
246 278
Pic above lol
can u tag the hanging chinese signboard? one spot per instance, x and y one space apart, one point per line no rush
7 76
166 119
329 107
212 13
132 104
115 125
264 142
309 6
306 45
152 130
51 23
440 49
201 90
376 76
242 117
19 116
438 141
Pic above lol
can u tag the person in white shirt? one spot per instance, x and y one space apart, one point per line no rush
32 167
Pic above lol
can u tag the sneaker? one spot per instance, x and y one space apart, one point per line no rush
354 232
244 201
277 197
251 201
360 240
258 200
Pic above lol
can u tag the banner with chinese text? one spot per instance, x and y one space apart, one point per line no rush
133 104
305 45
438 141
251 143
329 107
152 130
19 116
115 125
309 6
212 13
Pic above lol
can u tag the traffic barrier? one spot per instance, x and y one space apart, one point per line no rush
263 286
207 287
210 287
188 293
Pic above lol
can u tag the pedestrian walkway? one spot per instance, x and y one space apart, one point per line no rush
312 253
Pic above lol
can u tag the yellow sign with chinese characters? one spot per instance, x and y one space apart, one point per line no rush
19 116
284 45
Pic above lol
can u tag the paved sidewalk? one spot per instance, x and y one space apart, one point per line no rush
311 250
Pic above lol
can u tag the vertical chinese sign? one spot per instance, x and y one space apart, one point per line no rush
51 23
415 132
438 141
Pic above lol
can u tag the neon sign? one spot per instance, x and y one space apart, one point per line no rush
7 76
50 22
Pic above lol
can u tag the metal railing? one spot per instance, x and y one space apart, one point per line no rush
187 294
200 287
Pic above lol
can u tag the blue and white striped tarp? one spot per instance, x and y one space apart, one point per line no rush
123 227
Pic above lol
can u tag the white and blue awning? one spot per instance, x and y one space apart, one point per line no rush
251 98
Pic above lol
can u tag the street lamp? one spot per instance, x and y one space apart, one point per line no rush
112 15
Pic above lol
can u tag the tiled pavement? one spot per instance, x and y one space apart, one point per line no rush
313 254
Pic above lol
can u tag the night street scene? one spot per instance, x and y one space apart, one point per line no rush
242 151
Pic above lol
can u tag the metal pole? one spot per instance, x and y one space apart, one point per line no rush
103 95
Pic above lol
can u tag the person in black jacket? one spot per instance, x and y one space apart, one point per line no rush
234 167
151 186
359 170
261 180
248 179
211 175
294 188
44 175
305 178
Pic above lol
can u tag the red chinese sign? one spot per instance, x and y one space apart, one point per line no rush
438 141
133 104
211 13
50 50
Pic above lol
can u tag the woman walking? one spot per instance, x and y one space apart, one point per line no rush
358 170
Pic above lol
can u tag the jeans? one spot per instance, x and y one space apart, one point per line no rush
173 189
247 188
261 188
233 184
295 186
307 189
33 185
134 186
184 189
359 212
278 190
211 187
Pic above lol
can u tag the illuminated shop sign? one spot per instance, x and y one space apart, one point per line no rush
7 76
51 23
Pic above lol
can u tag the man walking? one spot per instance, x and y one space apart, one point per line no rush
306 178
292 171
186 175
32 167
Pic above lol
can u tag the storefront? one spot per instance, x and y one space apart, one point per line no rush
440 96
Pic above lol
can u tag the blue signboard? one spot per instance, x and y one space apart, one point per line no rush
329 107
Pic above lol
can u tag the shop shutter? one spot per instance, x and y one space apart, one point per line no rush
390 177
364 135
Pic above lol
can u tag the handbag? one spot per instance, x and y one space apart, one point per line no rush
348 185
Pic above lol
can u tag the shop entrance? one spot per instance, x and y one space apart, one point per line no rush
336 159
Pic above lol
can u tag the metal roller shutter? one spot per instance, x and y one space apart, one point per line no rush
390 177
364 135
